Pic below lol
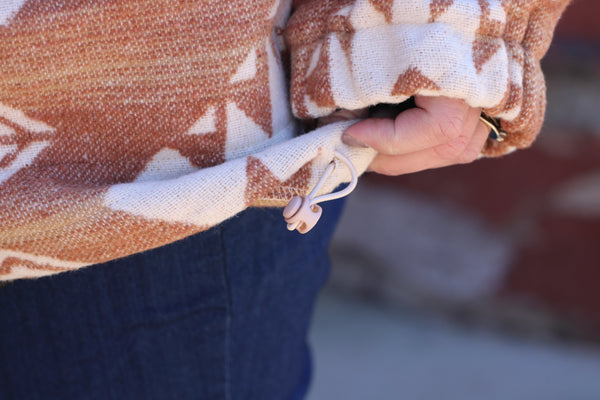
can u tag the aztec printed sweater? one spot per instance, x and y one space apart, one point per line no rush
129 124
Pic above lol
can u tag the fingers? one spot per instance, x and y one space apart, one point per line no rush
439 132
436 120
458 151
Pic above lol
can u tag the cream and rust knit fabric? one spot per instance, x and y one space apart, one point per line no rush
129 124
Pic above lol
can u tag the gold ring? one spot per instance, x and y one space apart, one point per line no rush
496 133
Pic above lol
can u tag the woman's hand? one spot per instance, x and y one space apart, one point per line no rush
439 132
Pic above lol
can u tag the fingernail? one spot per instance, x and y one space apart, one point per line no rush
352 141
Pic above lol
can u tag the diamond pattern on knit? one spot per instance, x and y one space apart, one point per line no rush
412 82
318 83
129 117
151 107
206 123
487 42
265 189
98 234
9 264
22 139
253 95
511 87
247 70
438 7
384 7
166 164
149 101
341 25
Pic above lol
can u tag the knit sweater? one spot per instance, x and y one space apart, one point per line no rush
129 124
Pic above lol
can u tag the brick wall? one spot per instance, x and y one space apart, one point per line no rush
580 21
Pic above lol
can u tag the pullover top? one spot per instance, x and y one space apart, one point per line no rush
129 124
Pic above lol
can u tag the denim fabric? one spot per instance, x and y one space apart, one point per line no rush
220 315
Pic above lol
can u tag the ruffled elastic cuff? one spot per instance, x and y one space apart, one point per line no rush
371 52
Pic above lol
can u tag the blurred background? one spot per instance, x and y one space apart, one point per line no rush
481 281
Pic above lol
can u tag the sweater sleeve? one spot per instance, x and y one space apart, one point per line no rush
356 53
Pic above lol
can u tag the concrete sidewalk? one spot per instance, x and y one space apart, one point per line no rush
364 352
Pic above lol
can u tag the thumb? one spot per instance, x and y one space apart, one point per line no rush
412 130
433 122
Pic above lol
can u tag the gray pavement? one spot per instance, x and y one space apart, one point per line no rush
364 352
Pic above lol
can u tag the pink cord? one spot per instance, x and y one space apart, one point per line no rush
302 212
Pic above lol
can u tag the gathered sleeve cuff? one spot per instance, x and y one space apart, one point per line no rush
352 54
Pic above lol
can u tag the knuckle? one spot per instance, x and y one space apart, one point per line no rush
469 155
452 126
384 168
389 140
453 150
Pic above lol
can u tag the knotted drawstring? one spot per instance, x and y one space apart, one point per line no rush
302 212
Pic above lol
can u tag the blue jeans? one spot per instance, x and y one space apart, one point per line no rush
220 315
